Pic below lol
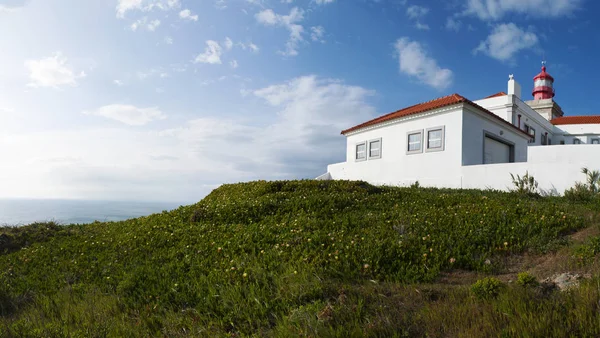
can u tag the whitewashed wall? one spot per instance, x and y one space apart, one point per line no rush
556 168
475 124
584 132
396 167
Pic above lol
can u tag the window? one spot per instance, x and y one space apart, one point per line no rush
549 141
544 139
361 151
374 149
415 141
435 139
529 130
576 141
562 141
595 141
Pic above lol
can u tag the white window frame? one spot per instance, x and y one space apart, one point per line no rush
356 159
426 139
369 148
597 141
414 132
576 141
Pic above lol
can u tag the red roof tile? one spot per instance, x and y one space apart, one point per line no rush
426 106
495 95
576 120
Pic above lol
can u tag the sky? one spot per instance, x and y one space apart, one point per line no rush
164 100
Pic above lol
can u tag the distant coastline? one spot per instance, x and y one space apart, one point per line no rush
17 212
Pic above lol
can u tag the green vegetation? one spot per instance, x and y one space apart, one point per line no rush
297 258
526 279
487 288
588 191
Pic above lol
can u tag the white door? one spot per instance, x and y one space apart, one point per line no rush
495 151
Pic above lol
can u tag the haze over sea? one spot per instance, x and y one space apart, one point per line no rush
26 211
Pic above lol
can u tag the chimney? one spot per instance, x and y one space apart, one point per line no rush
513 87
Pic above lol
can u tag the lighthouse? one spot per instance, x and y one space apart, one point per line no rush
543 85
543 96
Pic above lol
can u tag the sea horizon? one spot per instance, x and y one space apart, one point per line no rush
24 211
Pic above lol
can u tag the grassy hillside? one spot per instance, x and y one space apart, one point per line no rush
296 258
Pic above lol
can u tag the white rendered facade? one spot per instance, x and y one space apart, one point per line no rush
474 145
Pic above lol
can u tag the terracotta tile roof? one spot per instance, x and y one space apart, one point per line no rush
495 95
576 120
426 106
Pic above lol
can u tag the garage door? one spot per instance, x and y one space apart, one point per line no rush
495 151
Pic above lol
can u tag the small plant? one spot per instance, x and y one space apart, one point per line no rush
593 179
526 185
525 279
579 193
415 185
487 288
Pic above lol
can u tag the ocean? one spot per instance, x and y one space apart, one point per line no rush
26 211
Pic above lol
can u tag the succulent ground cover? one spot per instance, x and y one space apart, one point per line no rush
316 258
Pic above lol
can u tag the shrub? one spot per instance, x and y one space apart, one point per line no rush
526 279
487 288
593 179
526 185
579 193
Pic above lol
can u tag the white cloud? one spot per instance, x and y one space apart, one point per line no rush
316 33
186 14
267 17
496 9
128 114
415 62
290 22
124 6
453 24
6 9
234 64
52 71
228 43
416 12
505 41
421 26
324 2
212 53
168 40
145 24
250 46
118 83
307 113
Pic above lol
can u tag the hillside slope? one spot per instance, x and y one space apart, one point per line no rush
273 258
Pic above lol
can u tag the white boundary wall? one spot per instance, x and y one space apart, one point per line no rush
556 168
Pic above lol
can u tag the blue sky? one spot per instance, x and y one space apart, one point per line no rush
166 99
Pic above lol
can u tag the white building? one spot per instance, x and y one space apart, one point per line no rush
457 143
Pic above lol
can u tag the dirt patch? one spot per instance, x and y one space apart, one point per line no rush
541 266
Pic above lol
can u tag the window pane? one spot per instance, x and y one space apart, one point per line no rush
414 142
595 141
576 141
374 148
434 139
361 151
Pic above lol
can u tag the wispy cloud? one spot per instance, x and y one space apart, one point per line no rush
128 114
290 22
414 61
53 71
497 9
212 53
505 41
